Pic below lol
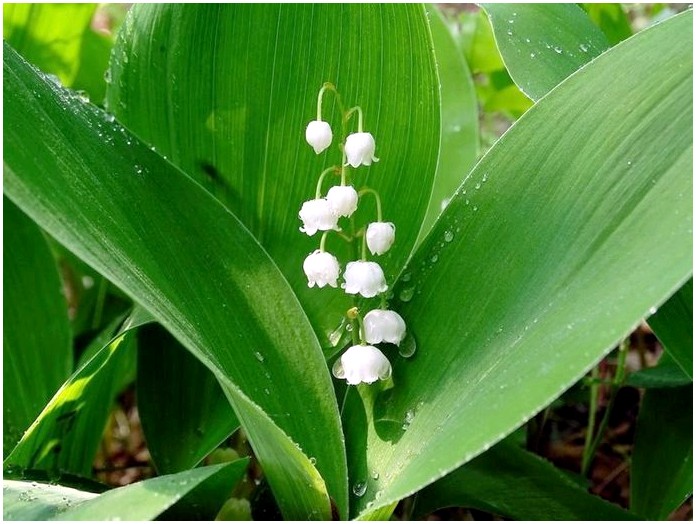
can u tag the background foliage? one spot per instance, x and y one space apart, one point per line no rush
162 218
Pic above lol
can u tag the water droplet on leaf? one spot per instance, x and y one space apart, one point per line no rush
359 489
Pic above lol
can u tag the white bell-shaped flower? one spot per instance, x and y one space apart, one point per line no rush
317 216
362 364
321 269
365 278
360 149
318 135
380 237
343 200
383 325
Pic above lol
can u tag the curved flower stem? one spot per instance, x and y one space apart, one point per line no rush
349 113
383 300
328 86
363 253
321 179
322 243
378 200
344 164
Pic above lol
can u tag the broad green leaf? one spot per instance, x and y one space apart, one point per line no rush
23 500
673 325
37 353
50 36
183 411
524 277
663 456
513 483
495 89
611 19
667 374
234 117
147 499
120 207
67 433
541 44
458 120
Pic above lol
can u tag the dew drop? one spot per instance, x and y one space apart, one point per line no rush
583 48
107 76
527 40
375 476
337 369
475 208
359 489
434 258
478 185
652 310
406 277
312 461
407 348
558 50
406 294
266 391
509 33
258 356
532 55
449 236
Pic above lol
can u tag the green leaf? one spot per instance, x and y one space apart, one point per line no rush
24 500
86 179
541 44
611 19
234 117
663 455
147 499
673 325
183 411
513 483
593 177
459 120
37 352
667 374
67 433
49 35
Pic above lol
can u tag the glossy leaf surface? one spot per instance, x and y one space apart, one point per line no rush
49 35
663 457
541 44
147 499
234 118
538 236
513 483
109 199
459 120
24 500
67 433
183 410
37 353
673 324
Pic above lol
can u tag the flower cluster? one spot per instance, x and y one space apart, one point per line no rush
362 362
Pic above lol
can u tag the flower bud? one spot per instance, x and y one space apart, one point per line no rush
366 278
318 135
343 200
362 364
317 216
360 149
380 237
321 269
382 325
